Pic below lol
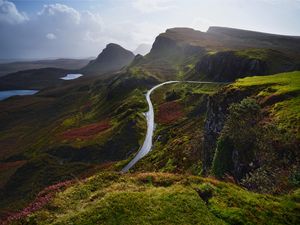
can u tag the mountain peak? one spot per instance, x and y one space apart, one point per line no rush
182 33
114 45
112 58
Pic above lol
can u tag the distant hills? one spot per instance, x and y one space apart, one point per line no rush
111 59
72 64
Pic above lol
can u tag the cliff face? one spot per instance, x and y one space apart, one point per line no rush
230 65
217 111
220 54
169 55
170 45
226 66
254 137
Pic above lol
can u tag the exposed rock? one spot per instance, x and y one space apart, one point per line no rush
217 111
228 65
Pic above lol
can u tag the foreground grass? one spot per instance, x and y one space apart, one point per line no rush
162 198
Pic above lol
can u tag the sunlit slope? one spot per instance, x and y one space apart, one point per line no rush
281 92
160 198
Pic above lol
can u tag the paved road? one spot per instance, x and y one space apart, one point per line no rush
147 145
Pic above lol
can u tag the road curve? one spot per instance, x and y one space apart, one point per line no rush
147 145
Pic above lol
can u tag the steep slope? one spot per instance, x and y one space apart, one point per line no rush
252 132
112 58
230 65
221 54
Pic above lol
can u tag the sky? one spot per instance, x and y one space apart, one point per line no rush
33 29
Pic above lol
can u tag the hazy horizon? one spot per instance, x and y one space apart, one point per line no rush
50 29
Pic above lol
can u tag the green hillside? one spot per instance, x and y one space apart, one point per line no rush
282 93
161 198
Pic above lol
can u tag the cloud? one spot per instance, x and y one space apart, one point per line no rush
58 13
148 6
9 13
80 34
51 36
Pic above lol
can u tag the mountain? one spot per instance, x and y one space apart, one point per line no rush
142 49
112 58
220 54
222 153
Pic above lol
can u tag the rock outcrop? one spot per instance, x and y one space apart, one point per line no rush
226 66
217 111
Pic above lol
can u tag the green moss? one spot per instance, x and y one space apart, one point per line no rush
254 53
222 162
161 198
282 92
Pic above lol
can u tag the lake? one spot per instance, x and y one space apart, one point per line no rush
7 94
71 76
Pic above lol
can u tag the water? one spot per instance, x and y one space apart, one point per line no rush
10 93
71 76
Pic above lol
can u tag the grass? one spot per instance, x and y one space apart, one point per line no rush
255 53
177 143
162 198
82 126
282 93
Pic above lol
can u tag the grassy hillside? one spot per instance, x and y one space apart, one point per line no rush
252 133
67 132
179 116
282 93
161 198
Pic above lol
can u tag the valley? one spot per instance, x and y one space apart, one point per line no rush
204 129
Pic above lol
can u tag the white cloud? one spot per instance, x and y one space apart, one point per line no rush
9 13
51 36
60 13
148 6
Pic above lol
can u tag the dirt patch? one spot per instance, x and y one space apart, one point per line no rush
169 112
86 132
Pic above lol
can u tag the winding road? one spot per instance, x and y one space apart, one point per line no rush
147 145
